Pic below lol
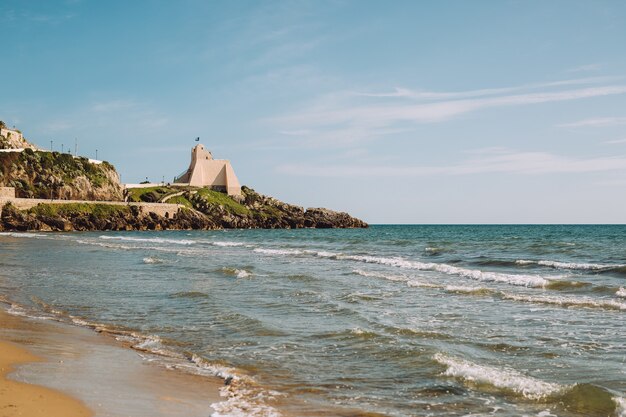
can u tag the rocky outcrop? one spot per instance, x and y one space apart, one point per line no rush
256 211
72 217
207 210
39 174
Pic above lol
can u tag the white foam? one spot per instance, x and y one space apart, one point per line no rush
243 397
150 240
621 292
279 251
242 273
567 301
508 379
22 234
569 265
228 244
152 260
512 279
620 406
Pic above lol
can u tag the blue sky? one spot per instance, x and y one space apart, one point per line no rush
397 112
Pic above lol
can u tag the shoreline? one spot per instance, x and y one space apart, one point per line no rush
28 400
76 372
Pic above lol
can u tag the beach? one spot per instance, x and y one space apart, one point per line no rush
52 369
20 399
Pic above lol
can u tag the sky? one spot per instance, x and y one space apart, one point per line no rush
394 111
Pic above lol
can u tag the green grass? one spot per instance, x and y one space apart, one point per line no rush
98 210
179 199
215 197
150 194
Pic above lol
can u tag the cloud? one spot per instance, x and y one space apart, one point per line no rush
486 161
587 68
431 95
613 142
343 118
597 122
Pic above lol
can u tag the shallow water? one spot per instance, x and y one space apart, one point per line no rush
393 320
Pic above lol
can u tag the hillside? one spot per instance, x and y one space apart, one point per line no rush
39 174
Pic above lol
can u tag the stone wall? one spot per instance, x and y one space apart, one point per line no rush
160 209
7 192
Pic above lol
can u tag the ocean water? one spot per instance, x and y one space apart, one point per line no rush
386 321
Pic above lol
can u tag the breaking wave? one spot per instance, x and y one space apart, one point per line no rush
152 260
507 379
572 265
621 292
228 244
567 301
512 279
150 240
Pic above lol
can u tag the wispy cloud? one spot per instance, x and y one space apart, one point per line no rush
616 141
486 161
364 117
597 122
587 68
431 95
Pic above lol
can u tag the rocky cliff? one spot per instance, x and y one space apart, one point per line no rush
39 174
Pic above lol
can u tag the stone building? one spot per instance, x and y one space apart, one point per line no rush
204 171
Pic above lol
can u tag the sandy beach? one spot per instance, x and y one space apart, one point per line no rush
20 399
52 369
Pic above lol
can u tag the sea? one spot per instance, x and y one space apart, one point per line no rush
424 320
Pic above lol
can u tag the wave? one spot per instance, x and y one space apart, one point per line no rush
572 265
512 279
23 234
279 251
506 379
152 260
228 244
150 240
239 273
567 301
620 406
584 302
621 292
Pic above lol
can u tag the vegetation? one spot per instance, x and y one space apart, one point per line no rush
206 198
98 210
44 174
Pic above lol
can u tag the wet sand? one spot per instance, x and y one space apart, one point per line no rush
55 369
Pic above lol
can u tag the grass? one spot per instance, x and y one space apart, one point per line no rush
179 199
215 197
150 194
98 210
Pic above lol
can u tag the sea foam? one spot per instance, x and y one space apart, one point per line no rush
507 379
512 279
567 301
150 240
570 265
